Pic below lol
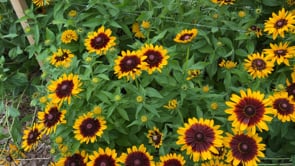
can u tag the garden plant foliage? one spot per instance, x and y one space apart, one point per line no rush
148 82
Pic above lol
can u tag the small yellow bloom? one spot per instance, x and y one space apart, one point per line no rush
117 98
193 73
172 104
97 110
72 13
95 80
206 88
242 14
43 99
215 16
52 151
68 35
145 24
58 140
144 118
63 149
214 106
88 59
139 99
227 64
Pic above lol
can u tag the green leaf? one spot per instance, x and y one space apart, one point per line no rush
199 112
11 35
241 52
272 2
50 35
199 65
123 113
159 36
151 109
13 112
151 92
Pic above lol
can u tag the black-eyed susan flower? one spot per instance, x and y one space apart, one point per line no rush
172 104
200 138
245 149
155 137
281 52
277 25
215 162
172 159
258 65
51 118
228 64
227 2
155 56
216 1
78 158
136 30
68 36
129 65
88 127
284 106
103 157
256 30
291 2
100 41
193 73
62 58
186 36
250 110
64 88
11 156
31 137
136 157
41 3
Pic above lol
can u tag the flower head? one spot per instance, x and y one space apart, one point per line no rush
100 41
41 3
68 36
284 106
62 58
172 159
155 137
244 148
103 157
136 157
186 36
227 64
51 117
155 56
72 13
281 52
87 127
64 87
258 65
129 65
193 73
200 138
172 104
78 158
31 137
279 23
248 111
136 30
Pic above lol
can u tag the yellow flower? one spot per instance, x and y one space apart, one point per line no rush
58 140
227 64
192 73
172 104
144 118
43 99
97 110
40 3
214 106
139 99
206 88
145 24
281 52
72 13
68 36
136 30
186 36
242 13
62 58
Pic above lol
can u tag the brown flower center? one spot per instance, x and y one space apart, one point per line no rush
243 148
281 23
250 111
280 53
186 36
100 41
258 64
199 136
62 57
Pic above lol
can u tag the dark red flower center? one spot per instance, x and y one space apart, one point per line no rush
75 160
33 136
200 137
9 158
129 63
283 106
172 162
104 160
253 27
64 56
280 53
154 58
156 137
64 89
53 117
137 159
249 111
258 64
281 23
186 36
100 41
89 127
243 147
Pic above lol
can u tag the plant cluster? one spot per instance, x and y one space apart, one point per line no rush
175 82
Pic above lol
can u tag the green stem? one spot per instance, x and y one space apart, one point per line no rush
180 115
186 58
